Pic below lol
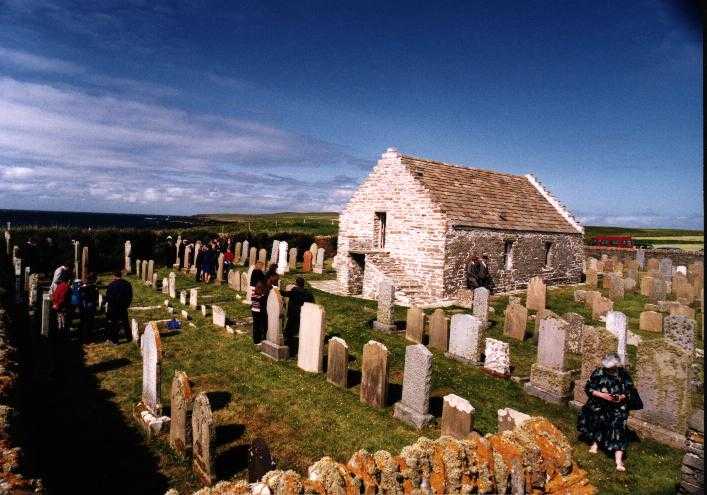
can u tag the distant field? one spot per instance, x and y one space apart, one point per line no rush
687 240
314 223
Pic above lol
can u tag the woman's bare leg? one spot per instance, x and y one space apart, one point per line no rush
594 448
619 456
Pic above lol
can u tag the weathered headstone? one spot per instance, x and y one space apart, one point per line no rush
274 345
187 257
338 362
681 310
510 419
548 378
183 297
310 355
515 321
135 330
180 437
252 256
46 314
128 251
386 299
663 381
616 286
575 326
537 293
666 268
439 330
233 279
203 439
680 330
650 321
244 252
641 256
219 269
414 407
319 262
659 290
596 343
151 347
193 298
497 357
172 285
292 259
374 374
481 303
313 248
457 417
245 280
465 339
218 316
248 288
275 252
629 284
165 286
601 306
415 325
282 266
263 255
84 264
307 262
617 325
592 279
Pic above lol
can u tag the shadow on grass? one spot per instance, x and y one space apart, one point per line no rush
232 461
218 400
110 365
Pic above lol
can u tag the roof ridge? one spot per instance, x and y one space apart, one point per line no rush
463 167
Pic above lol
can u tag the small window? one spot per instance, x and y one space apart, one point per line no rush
508 255
548 254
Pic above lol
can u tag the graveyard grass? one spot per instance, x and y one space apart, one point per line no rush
303 417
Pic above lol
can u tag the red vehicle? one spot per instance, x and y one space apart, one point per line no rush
613 241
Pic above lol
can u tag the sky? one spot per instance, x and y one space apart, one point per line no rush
254 106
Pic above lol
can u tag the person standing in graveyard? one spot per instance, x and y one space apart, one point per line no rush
89 304
258 309
602 420
58 274
257 274
208 264
61 303
198 260
297 296
168 253
484 274
472 274
119 296
228 258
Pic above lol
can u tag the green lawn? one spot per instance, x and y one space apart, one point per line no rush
304 418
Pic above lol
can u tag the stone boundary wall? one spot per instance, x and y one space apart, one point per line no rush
692 472
11 455
534 457
678 256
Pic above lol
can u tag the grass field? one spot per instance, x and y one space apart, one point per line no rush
687 240
315 223
303 417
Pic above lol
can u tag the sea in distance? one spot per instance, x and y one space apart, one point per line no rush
19 218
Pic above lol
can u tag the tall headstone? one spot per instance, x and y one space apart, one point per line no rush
187 257
616 286
143 271
592 279
386 300
135 330
374 374
617 324
84 264
457 417
282 266
193 298
497 357
274 344
465 339
263 255
245 252
237 250
252 256
312 330
415 325
46 314
218 316
596 343
515 321
180 438
183 297
313 248
481 303
248 288
275 252
548 378
666 268
172 285
151 348
663 381
307 262
128 250
202 422
177 246
197 248
244 281
537 293
150 270
337 371
439 331
414 407
641 256
680 330
319 263
575 326
165 285
292 259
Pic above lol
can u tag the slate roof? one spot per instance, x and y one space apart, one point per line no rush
483 198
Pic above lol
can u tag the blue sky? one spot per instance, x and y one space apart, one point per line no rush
192 107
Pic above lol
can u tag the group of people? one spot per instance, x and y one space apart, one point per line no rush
71 297
261 283
206 258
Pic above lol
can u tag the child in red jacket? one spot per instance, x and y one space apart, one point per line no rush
61 298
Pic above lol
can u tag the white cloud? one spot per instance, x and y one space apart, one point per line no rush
16 172
36 63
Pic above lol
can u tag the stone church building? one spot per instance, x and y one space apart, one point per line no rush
419 222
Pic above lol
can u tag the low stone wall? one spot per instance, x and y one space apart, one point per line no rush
692 472
534 457
678 256
11 455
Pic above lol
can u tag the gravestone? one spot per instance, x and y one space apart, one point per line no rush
601 306
282 266
135 330
310 355
537 293
219 269
338 362
274 345
187 257
177 246
374 374
465 298
652 264
193 298
596 343
646 286
275 252
319 261
414 406
172 285
151 348
681 310
233 276
244 254
46 314
386 299
616 287
263 256
629 284
515 321
465 338
617 325
252 256
457 417
84 264
497 357
128 249
439 330
548 378
663 381
165 285
592 279
218 316
666 268
202 422
197 248
313 248
659 290
415 325
680 330
237 252
248 288
260 462
180 438
650 321
575 326
481 304
183 297
641 257
307 262
292 259
510 419
244 281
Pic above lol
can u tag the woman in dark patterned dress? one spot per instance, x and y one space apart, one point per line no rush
602 420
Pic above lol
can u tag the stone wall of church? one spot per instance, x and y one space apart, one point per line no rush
528 253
